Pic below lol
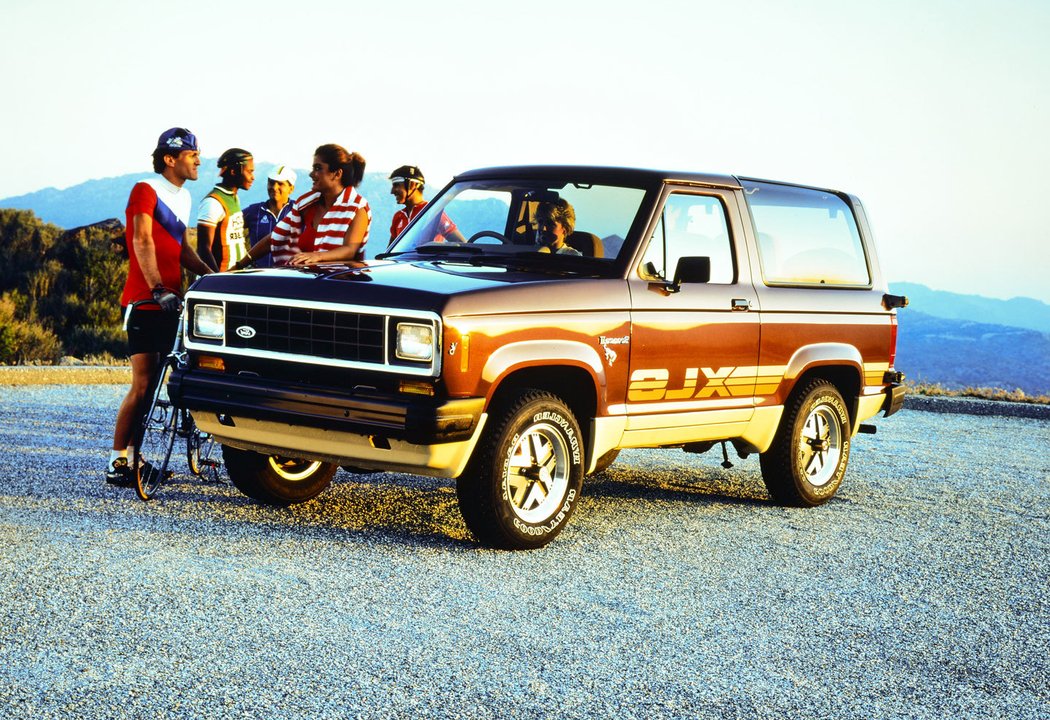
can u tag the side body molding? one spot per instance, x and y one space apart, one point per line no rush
824 354
532 353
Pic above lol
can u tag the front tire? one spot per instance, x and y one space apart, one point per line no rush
154 441
275 479
524 481
807 461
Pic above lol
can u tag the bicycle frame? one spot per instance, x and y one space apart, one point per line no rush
162 422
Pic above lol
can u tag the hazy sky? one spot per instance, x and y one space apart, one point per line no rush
936 113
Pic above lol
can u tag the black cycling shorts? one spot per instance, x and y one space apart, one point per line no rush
151 331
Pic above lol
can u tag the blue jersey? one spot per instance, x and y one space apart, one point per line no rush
260 222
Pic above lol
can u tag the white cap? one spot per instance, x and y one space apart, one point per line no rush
282 173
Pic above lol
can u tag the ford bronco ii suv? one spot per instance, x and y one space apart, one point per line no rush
533 321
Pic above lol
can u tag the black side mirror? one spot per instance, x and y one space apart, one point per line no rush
690 270
891 302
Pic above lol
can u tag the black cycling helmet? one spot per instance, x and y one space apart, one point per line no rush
408 172
234 157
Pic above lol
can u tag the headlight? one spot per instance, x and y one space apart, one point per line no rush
209 321
415 342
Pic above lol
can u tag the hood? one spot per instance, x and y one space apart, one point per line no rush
439 286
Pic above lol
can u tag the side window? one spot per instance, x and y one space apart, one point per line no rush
690 226
806 236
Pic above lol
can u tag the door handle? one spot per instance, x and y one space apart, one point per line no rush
741 304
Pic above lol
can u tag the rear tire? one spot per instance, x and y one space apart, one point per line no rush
807 461
524 481
276 479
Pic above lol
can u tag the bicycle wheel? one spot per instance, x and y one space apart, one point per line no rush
202 452
155 441
194 442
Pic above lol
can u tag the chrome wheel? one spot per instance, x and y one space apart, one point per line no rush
293 469
538 473
820 445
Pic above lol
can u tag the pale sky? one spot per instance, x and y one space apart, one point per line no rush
936 113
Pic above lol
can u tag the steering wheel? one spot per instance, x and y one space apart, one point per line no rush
491 234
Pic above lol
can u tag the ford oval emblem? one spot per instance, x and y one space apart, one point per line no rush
246 331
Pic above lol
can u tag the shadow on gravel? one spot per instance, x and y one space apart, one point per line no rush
382 507
736 488
392 508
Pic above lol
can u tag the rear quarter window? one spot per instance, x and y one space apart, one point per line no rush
806 236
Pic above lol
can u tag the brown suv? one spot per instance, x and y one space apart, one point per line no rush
533 321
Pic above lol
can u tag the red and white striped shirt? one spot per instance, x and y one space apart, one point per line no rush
293 235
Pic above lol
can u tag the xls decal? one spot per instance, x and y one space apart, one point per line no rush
650 385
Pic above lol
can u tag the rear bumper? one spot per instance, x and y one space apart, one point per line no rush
894 399
418 420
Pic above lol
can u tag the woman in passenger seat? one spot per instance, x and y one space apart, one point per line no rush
555 221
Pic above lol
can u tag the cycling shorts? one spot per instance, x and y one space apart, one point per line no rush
151 331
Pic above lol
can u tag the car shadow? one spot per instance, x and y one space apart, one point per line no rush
382 506
692 485
420 511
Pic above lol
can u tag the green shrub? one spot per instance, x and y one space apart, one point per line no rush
24 342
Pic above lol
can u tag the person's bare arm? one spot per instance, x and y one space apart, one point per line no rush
191 261
255 252
205 237
145 250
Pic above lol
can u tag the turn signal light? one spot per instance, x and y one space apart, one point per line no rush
415 387
210 362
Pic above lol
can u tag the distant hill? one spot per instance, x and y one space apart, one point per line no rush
1019 312
95 200
960 354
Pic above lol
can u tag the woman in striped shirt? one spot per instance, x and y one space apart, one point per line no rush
329 223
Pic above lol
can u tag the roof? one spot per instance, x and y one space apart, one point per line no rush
599 174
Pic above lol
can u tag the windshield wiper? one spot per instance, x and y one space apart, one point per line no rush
434 249
546 262
449 248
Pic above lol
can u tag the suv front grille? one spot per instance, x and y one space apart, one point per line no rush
305 331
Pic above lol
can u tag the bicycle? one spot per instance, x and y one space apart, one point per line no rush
162 423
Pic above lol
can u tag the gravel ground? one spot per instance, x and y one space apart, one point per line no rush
678 590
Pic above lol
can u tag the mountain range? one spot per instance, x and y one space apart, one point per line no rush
94 200
956 340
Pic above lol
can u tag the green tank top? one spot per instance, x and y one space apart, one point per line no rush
231 242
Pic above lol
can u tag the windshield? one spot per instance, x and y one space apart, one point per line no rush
529 220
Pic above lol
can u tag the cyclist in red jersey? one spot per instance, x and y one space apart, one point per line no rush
406 185
158 213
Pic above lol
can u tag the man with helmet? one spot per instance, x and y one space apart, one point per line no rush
407 188
221 240
157 214
262 217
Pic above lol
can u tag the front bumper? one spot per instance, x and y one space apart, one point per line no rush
418 420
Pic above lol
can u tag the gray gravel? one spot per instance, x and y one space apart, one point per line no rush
921 591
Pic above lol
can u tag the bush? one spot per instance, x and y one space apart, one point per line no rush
1018 395
105 341
24 342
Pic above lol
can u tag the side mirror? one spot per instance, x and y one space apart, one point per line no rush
690 270
891 302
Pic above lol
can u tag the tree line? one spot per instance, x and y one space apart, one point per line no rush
59 289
